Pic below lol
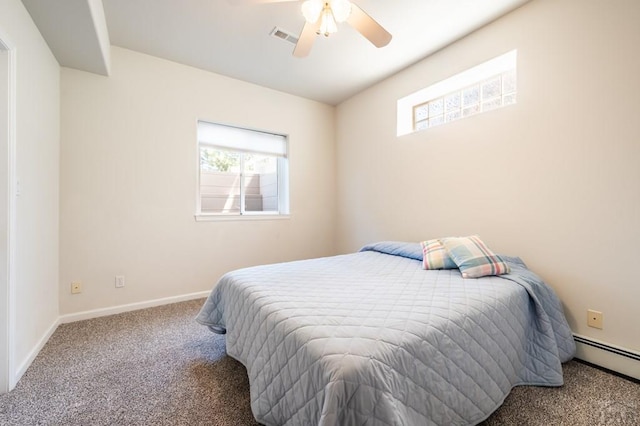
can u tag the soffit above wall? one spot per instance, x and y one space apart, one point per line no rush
76 32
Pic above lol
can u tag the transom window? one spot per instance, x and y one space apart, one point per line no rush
242 172
484 87
497 91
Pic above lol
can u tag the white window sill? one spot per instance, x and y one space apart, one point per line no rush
234 217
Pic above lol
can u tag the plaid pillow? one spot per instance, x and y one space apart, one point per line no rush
434 256
474 258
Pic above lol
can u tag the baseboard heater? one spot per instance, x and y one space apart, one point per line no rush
608 348
619 360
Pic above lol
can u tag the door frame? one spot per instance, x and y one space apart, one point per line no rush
8 204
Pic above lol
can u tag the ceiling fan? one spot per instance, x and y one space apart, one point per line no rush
322 17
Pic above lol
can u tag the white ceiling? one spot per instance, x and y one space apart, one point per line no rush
231 37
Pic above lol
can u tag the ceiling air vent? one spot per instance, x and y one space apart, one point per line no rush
283 35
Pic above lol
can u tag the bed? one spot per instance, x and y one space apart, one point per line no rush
370 338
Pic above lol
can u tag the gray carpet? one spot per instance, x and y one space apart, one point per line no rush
159 367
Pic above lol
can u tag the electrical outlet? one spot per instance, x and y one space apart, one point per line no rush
594 319
76 287
119 281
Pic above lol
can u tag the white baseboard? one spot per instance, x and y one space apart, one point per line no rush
612 357
96 313
35 351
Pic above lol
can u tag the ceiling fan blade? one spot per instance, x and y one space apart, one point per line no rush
368 27
307 37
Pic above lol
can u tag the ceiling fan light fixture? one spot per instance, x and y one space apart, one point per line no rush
328 23
341 10
311 10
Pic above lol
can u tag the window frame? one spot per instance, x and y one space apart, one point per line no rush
282 178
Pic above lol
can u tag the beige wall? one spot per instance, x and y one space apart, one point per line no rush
129 173
37 161
554 179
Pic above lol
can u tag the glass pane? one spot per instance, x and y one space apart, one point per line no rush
491 88
260 183
436 107
421 125
421 112
219 160
509 81
219 181
452 116
436 121
452 102
471 95
471 110
492 104
510 99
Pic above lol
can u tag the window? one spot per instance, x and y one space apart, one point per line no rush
482 88
242 172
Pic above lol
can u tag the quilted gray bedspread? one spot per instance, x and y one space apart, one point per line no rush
371 338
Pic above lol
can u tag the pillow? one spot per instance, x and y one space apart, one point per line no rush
434 256
474 258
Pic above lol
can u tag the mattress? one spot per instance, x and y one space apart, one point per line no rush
372 338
